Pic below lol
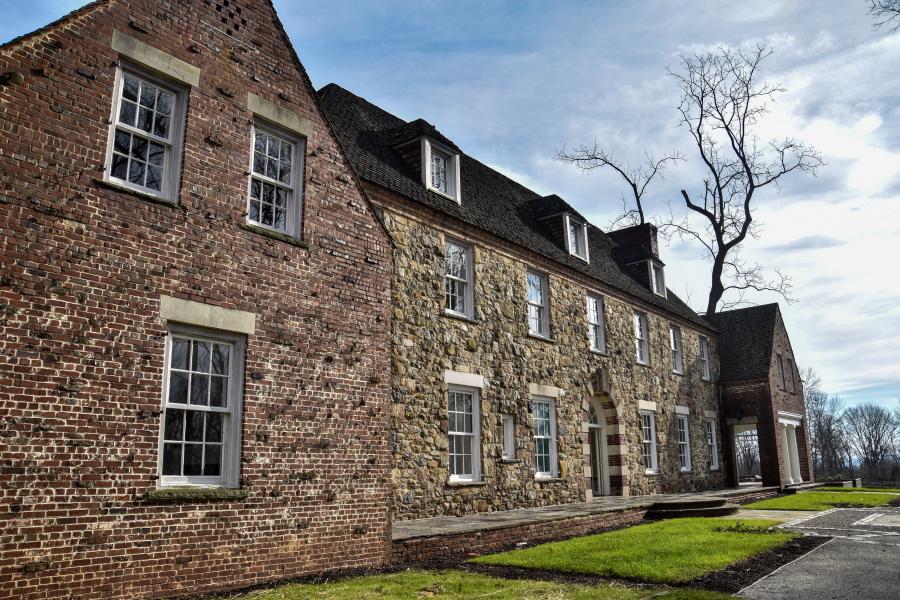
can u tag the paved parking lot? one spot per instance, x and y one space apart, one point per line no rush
861 562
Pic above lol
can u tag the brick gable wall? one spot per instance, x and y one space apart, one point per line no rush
82 269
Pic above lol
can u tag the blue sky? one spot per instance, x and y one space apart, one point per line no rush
512 82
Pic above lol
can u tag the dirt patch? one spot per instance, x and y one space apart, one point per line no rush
894 502
739 575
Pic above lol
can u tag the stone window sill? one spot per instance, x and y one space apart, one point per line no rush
646 365
686 471
275 235
465 484
118 187
599 352
548 480
190 493
651 473
544 338
510 461
459 317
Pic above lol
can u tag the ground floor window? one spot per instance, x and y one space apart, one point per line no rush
712 442
463 431
684 443
543 411
648 441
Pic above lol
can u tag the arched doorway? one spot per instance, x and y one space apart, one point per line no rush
598 452
605 469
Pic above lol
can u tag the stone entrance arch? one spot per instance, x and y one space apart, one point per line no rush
601 406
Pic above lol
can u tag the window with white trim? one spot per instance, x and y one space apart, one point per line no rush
790 375
458 279
146 133
463 434
658 279
576 238
439 164
596 324
538 304
780 364
543 411
276 180
648 441
675 346
704 359
200 435
509 437
712 442
440 169
684 442
641 339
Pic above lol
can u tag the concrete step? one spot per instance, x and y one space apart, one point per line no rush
675 513
685 503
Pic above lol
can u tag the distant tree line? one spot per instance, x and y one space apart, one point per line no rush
862 440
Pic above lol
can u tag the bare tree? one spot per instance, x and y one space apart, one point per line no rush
871 431
825 427
746 451
638 178
721 105
886 13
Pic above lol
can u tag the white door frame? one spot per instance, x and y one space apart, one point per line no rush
597 435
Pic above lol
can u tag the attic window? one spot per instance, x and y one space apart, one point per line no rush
657 279
441 172
576 238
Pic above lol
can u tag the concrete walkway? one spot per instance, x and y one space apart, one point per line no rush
438 526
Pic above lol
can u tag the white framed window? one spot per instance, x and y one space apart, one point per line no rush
145 139
201 418
275 196
712 442
538 304
458 279
576 238
704 359
684 442
596 323
675 346
641 339
463 432
790 375
543 411
648 441
657 279
780 364
440 169
509 437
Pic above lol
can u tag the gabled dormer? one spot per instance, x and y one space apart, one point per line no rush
564 226
639 250
432 156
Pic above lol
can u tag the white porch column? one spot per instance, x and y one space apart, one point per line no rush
786 455
794 454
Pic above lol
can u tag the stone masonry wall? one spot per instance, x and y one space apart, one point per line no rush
496 346
82 271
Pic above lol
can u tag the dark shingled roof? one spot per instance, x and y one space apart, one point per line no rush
745 341
490 201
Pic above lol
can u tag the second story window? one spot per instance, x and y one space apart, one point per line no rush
146 137
538 304
458 279
275 181
576 238
704 359
596 333
657 279
677 354
641 339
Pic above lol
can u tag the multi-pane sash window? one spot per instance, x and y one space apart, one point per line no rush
544 415
202 414
274 181
658 279
145 135
789 374
648 441
704 358
596 333
675 345
458 278
577 238
712 442
641 345
780 364
463 431
684 443
538 305
439 162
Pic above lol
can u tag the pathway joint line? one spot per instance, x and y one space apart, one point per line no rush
741 591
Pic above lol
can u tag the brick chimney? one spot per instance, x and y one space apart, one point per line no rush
643 236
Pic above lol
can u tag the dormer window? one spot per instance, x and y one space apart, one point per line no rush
441 172
657 279
576 238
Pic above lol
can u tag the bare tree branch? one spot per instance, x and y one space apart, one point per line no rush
638 178
886 13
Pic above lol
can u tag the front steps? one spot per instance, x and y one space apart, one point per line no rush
691 507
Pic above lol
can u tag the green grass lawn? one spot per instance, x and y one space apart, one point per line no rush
672 551
862 489
446 585
821 500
